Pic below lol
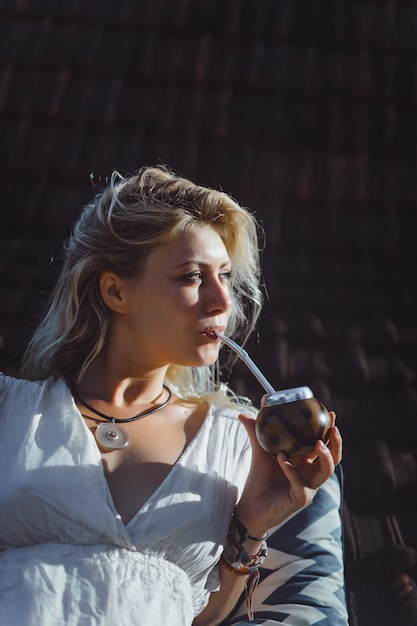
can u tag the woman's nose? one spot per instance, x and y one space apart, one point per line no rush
218 297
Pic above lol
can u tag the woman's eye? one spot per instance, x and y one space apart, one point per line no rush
226 277
191 276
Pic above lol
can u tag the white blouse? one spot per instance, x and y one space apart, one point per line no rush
67 558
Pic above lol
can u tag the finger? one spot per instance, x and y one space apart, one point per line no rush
335 445
317 472
300 488
312 456
249 424
327 457
330 455
258 453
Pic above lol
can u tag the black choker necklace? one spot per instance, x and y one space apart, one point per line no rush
114 437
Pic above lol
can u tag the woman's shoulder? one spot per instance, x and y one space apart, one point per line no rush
7 380
224 419
231 409
20 389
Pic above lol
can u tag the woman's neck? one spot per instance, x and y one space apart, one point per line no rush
120 385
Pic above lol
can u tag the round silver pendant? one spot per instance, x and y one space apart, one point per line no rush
112 436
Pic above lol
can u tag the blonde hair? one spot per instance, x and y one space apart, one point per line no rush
116 232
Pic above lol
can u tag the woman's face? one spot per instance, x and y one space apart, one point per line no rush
182 294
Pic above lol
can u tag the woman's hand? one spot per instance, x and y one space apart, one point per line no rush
278 487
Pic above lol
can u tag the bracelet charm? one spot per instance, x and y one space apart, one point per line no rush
246 565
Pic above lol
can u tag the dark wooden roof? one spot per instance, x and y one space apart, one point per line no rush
305 111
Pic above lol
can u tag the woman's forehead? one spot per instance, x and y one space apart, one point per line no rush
202 244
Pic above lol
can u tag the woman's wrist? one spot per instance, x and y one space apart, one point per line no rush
244 553
257 532
241 559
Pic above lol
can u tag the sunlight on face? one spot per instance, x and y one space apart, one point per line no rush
183 291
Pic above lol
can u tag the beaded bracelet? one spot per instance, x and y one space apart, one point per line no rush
235 554
236 559
246 566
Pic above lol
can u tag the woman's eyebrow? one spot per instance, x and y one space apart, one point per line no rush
225 263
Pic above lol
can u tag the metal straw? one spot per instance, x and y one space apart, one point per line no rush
242 354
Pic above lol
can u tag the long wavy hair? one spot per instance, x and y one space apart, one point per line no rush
116 232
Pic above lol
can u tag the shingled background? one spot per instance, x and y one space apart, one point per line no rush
305 110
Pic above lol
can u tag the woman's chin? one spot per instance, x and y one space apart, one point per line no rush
208 356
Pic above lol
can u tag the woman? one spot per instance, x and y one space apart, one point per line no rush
136 490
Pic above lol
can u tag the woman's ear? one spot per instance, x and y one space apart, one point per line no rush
112 289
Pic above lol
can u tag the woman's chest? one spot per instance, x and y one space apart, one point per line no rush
135 473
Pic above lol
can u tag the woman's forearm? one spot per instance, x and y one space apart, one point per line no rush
223 601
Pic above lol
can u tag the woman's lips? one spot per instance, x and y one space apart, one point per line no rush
210 332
